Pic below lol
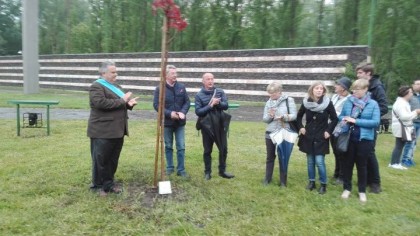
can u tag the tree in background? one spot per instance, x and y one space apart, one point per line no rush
101 26
10 30
396 43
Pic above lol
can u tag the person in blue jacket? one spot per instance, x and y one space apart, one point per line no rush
177 104
377 93
360 116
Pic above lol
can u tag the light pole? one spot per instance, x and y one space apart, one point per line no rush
370 32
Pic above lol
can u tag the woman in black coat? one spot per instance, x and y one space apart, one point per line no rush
321 120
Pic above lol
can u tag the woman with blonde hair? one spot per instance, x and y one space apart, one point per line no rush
315 134
360 116
278 111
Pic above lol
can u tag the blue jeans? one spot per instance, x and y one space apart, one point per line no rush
319 161
410 147
179 133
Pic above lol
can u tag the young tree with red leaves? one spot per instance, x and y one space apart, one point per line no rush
171 19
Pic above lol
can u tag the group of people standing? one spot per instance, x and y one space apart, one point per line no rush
356 108
108 125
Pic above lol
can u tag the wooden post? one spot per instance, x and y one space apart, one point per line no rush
161 108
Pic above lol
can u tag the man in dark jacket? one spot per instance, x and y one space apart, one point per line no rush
377 92
107 126
177 104
209 106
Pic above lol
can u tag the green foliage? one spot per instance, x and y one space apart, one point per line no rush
96 26
45 181
350 71
10 31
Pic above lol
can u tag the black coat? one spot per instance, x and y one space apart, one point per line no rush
377 93
313 142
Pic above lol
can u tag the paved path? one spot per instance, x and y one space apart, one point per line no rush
245 113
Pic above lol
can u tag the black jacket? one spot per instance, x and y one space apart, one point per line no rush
313 142
377 93
203 98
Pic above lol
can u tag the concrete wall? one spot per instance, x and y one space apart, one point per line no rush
243 74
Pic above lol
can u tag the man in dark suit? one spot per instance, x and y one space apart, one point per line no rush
107 127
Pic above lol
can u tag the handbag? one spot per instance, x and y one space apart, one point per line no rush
342 142
407 131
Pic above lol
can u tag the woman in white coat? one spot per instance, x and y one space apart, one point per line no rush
401 112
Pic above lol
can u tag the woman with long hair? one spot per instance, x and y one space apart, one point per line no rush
314 135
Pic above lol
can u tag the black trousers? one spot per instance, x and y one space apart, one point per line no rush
373 175
105 155
208 142
358 153
339 157
270 159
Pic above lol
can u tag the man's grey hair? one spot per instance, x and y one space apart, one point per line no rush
169 67
104 66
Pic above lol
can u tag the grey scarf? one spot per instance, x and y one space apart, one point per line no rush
276 103
316 107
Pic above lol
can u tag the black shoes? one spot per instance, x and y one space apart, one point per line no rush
207 176
322 189
114 189
311 186
266 182
226 175
375 188
183 175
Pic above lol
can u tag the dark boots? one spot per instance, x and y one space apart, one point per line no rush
268 173
311 186
283 179
322 189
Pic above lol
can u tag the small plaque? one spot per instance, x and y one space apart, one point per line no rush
165 187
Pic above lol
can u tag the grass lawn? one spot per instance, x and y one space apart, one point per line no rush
45 179
44 186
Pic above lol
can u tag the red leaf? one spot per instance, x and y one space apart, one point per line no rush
172 12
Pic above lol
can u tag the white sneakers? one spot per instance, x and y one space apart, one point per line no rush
397 166
345 194
362 197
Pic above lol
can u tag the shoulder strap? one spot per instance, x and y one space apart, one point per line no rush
287 105
111 87
214 94
398 118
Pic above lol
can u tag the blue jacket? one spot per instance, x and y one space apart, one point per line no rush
367 121
176 99
203 98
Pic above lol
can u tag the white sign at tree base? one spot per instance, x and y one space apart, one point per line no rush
165 187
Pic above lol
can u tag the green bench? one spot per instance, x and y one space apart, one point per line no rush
32 102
